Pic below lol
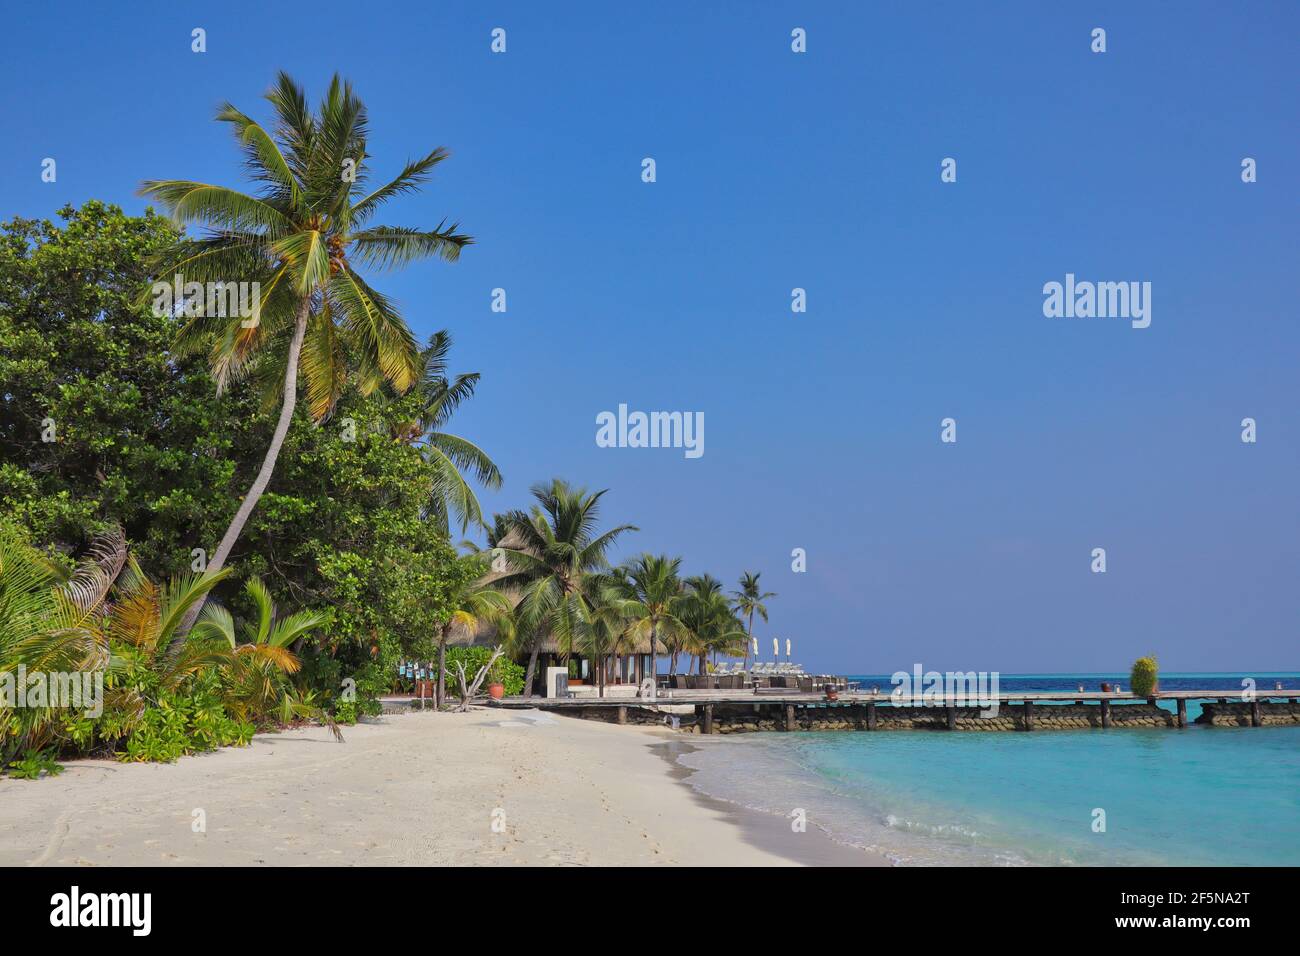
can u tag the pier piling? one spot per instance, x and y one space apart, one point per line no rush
1105 714
1254 713
708 718
1029 715
789 716
952 717
1182 713
871 715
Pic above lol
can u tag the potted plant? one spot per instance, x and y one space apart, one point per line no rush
496 689
1145 677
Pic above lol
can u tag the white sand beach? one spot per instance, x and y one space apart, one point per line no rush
421 789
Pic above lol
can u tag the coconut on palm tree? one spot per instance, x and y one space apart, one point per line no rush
550 555
748 601
302 236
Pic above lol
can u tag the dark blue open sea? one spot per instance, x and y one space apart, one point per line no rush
1200 796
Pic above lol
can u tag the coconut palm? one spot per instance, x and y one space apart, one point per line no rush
709 619
605 630
301 235
748 601
53 623
270 638
50 623
448 455
654 600
474 601
550 554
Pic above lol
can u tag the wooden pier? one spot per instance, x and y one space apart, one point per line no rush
714 711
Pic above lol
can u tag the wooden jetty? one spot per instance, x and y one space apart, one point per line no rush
714 711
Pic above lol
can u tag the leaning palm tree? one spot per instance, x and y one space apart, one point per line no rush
748 601
654 599
301 236
474 601
550 553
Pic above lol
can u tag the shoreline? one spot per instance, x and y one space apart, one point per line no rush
480 788
771 832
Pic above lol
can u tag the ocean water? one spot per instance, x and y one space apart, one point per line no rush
1200 796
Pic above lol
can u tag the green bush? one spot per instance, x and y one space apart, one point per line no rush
1143 677
510 674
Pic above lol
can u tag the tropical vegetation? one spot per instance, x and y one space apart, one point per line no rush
240 526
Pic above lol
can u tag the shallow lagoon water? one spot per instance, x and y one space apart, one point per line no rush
1200 796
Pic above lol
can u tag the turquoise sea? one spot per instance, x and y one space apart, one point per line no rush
1200 796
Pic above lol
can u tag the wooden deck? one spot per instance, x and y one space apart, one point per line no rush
781 696
791 710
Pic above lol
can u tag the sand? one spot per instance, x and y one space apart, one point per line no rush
487 787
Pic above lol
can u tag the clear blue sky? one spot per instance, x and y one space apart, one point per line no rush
821 170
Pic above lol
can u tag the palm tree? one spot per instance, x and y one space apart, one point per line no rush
654 596
748 600
473 601
301 237
269 639
51 623
551 553
605 629
709 619
255 667
448 455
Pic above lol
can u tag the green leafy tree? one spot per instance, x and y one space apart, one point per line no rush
101 425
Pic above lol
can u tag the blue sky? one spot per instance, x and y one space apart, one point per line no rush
777 170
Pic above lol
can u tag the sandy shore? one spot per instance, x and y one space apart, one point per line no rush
422 789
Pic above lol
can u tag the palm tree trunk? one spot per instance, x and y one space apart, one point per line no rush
441 693
652 665
287 404
532 668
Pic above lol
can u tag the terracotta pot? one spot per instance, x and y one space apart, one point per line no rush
1105 688
496 691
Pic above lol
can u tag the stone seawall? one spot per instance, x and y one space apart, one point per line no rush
731 720
1238 714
